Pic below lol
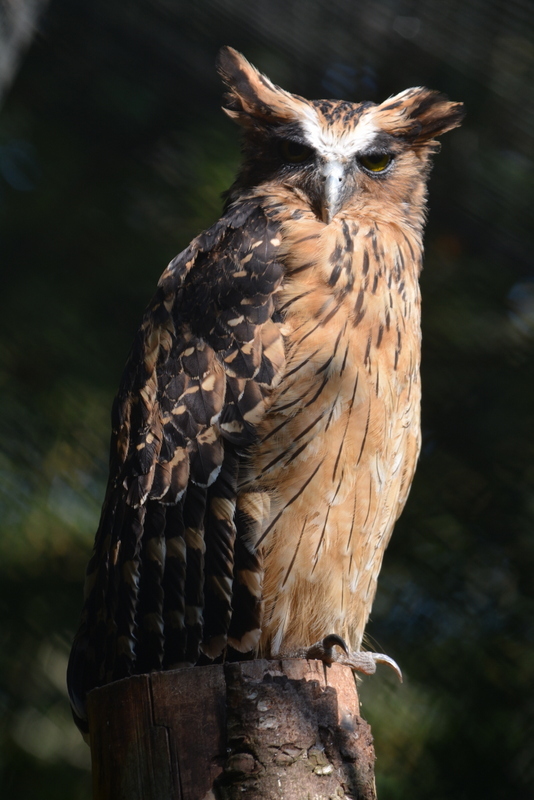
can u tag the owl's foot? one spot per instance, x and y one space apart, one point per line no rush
358 661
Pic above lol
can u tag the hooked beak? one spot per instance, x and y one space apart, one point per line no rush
333 174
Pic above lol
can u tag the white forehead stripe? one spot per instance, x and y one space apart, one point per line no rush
332 143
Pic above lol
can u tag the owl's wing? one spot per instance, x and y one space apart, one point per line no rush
160 580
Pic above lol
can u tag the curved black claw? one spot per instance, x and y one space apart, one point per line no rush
324 650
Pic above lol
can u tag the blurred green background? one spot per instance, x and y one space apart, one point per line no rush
113 155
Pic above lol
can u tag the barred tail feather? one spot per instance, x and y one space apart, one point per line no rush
150 626
129 566
220 540
194 514
174 588
247 602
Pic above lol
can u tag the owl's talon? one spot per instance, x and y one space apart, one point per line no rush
360 661
324 649
366 662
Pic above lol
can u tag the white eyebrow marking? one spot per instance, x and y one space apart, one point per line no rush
332 143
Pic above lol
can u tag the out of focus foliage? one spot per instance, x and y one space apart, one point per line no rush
113 154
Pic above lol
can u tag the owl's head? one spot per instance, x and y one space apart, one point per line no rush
342 157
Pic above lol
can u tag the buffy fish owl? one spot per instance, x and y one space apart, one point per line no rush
266 429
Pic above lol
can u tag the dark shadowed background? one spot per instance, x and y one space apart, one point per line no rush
113 155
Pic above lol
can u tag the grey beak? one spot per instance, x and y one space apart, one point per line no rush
333 176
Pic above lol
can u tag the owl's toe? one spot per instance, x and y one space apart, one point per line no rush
359 661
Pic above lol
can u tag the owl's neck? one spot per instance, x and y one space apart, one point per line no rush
363 255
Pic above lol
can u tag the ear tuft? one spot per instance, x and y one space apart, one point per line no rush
240 77
418 115
252 98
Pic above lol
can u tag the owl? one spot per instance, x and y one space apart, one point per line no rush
266 429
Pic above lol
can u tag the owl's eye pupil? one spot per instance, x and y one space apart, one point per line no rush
376 162
294 152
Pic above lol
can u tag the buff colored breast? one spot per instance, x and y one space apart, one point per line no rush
340 443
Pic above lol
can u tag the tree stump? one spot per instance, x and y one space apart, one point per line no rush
253 729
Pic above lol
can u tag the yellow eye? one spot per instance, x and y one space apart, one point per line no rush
294 152
376 162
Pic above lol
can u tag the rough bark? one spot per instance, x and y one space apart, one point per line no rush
250 730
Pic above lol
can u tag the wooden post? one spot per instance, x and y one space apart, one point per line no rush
254 730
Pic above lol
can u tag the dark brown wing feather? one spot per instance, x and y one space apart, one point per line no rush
160 584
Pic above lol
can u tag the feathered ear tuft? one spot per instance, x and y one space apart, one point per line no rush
418 115
252 98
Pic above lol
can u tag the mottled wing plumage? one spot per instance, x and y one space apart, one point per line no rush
159 584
